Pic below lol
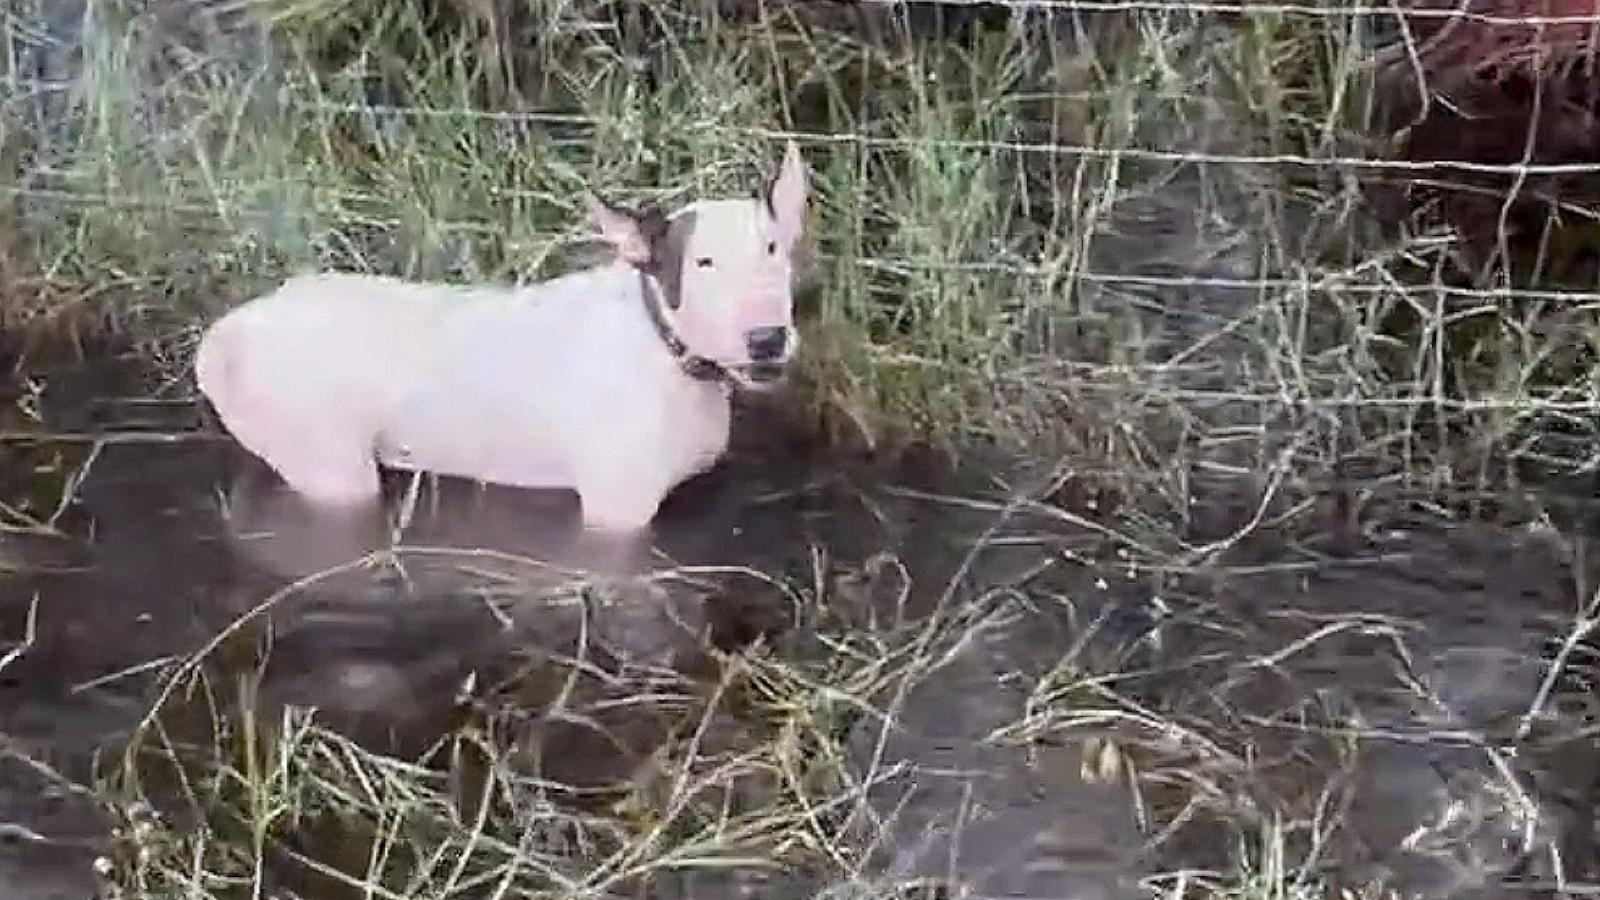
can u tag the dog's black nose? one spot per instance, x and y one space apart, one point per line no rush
766 343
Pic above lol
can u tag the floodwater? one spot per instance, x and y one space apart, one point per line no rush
1386 701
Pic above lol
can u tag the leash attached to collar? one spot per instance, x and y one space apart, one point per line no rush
698 367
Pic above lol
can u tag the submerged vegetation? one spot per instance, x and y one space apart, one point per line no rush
1197 272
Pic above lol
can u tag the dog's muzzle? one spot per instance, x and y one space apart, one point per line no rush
767 345
769 349
764 374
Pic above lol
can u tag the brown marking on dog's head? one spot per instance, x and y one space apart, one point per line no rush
650 241
667 254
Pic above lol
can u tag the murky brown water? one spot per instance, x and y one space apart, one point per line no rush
1103 725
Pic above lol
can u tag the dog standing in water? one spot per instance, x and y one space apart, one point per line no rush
615 381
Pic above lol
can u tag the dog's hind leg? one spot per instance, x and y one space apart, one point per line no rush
324 457
320 450
330 470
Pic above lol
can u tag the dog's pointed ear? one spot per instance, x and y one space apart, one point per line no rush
622 230
785 198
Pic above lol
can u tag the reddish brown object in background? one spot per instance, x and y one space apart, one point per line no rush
1501 50
1498 93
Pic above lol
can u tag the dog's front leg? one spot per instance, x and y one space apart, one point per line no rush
635 616
620 493
609 551
617 534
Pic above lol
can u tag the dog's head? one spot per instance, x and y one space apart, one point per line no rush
723 269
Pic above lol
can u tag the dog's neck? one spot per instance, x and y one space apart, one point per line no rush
697 367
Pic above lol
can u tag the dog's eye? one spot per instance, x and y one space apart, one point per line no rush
703 262
772 248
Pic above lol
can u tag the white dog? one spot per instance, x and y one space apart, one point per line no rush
614 381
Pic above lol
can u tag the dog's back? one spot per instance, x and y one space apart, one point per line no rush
332 370
302 376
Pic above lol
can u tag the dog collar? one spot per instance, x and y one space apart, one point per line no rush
698 367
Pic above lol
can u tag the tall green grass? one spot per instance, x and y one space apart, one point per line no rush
967 189
1025 233
360 139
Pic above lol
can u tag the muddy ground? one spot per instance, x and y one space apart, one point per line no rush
1393 699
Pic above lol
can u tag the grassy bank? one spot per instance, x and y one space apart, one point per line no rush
1175 255
1046 228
